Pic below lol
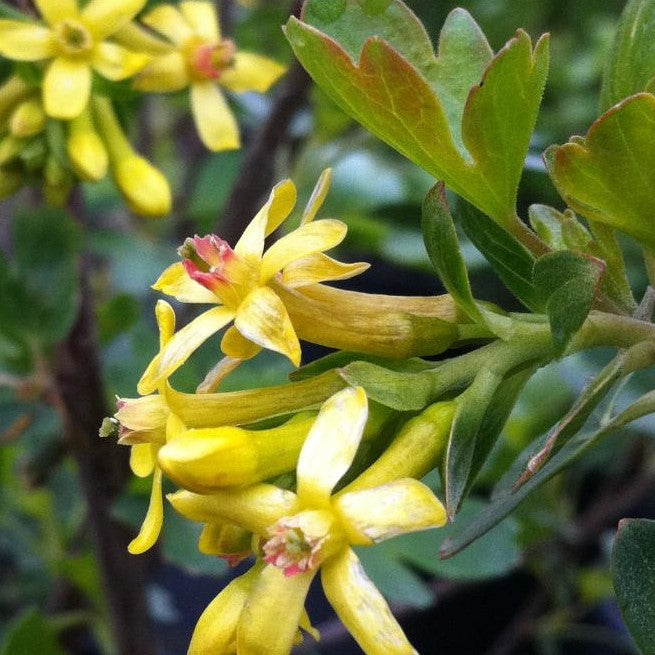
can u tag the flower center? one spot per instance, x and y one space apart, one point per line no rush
208 61
73 37
300 543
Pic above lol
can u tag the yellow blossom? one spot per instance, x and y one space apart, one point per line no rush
74 41
85 148
241 281
204 61
313 529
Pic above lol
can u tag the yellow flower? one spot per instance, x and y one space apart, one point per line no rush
202 60
313 529
75 42
241 281
147 424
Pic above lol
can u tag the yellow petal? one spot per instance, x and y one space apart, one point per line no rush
216 628
206 459
134 37
24 41
151 526
306 240
54 11
263 319
318 196
174 427
142 460
235 345
164 74
203 20
175 281
86 149
331 445
270 618
66 88
215 122
167 20
145 413
116 62
251 72
399 507
278 206
104 17
144 188
181 346
318 267
225 540
255 508
165 322
361 607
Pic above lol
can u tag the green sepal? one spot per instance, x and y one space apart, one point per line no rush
633 572
566 284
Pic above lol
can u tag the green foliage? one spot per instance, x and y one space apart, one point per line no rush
31 633
633 569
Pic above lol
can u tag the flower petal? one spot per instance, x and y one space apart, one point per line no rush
54 11
181 346
251 72
104 17
399 507
278 206
142 460
151 526
235 345
255 508
145 413
165 322
168 20
134 37
331 445
318 267
115 62
66 88
164 74
175 281
24 41
269 621
203 19
319 193
361 607
306 240
214 120
263 319
217 625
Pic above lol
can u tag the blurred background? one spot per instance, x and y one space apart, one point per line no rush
538 583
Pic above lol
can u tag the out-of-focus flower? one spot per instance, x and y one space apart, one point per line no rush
204 61
144 188
240 281
85 148
314 529
75 43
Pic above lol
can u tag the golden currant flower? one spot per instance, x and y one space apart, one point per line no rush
241 281
313 529
204 61
74 41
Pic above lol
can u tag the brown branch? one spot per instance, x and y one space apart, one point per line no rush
256 176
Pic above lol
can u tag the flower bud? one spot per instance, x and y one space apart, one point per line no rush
85 149
144 188
27 119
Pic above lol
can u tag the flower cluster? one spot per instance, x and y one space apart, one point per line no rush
57 125
298 491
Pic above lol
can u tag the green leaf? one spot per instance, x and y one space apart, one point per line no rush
508 257
633 570
566 283
631 65
443 248
462 116
472 406
31 633
609 175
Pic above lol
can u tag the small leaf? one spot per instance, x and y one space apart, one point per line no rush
566 284
30 633
508 257
462 116
631 65
633 570
469 415
609 175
